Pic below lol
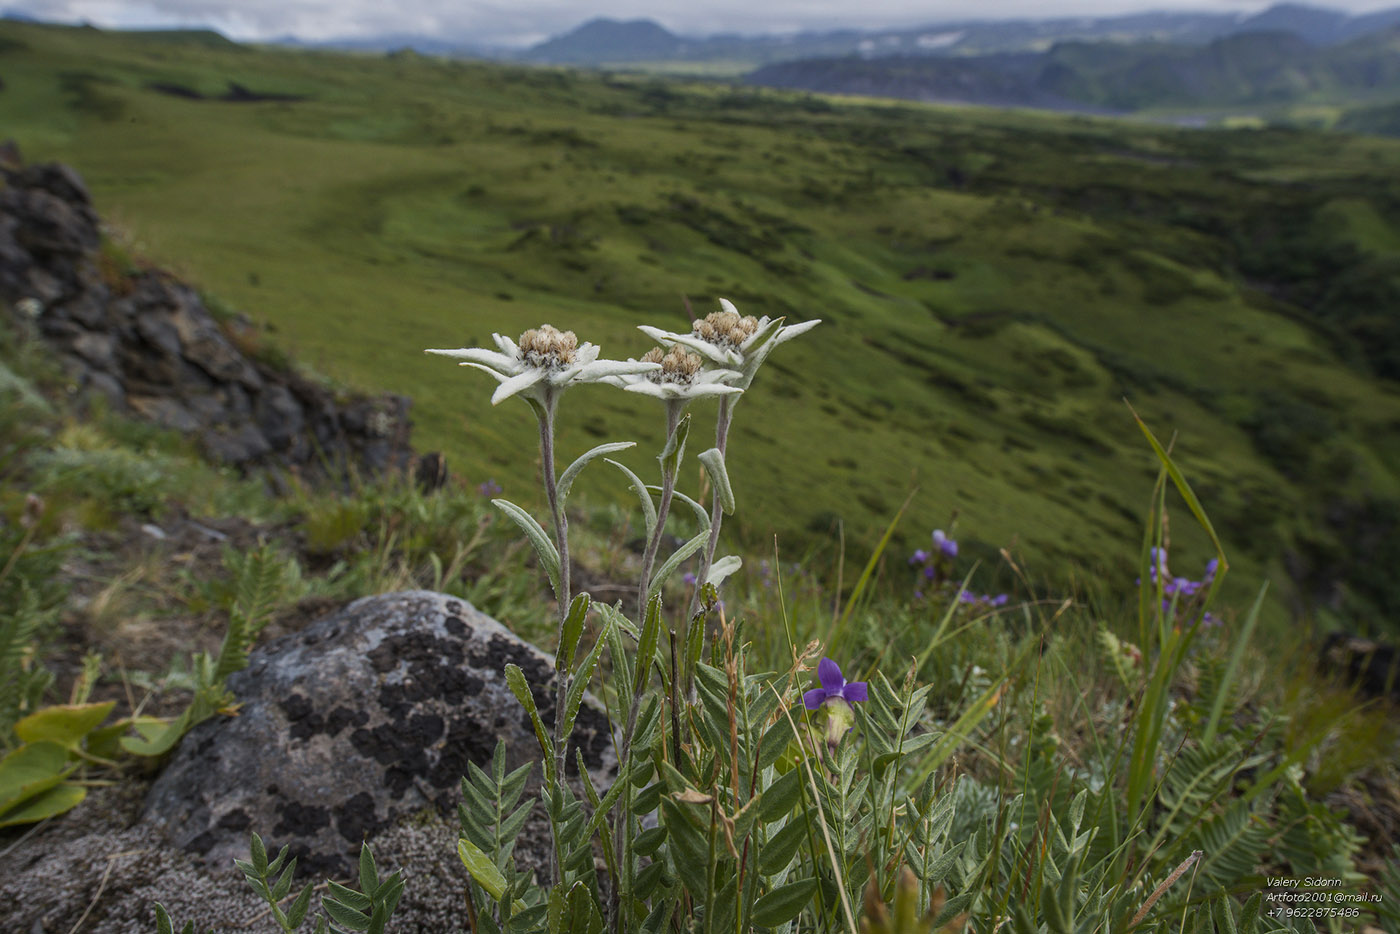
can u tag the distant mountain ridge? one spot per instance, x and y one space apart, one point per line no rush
1250 68
605 42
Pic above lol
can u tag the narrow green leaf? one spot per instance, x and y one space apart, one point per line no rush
713 462
674 449
702 515
284 883
676 558
643 494
369 873
783 903
570 474
259 854
163 925
515 680
570 632
344 914
297 914
348 896
574 699
646 645
544 548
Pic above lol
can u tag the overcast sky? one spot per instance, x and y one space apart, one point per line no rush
521 22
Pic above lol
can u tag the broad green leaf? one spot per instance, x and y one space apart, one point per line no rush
723 568
570 474
31 769
65 724
544 548
482 869
777 853
782 796
44 805
643 494
783 903
713 462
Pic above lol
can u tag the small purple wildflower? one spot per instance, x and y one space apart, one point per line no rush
688 578
944 544
834 686
489 489
930 572
920 557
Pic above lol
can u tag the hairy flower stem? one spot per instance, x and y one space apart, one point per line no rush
562 677
707 556
668 488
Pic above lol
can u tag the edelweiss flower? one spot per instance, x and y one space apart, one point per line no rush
544 359
676 376
738 342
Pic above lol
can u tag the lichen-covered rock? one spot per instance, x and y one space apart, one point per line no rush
362 718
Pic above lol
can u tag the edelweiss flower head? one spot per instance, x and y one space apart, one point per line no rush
738 342
543 361
678 375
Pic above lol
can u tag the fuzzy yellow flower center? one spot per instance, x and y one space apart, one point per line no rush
677 365
548 347
726 328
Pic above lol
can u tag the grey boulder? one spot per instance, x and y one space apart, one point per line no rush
359 720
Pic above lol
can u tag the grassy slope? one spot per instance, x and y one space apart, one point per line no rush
409 203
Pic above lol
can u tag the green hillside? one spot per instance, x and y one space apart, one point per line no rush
993 285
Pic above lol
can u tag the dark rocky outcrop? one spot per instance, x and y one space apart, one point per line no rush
146 343
363 718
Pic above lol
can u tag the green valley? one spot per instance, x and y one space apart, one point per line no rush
993 285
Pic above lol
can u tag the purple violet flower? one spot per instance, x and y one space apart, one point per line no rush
688 578
1212 566
945 544
920 557
834 686
489 489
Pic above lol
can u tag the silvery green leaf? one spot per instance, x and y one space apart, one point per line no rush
518 383
567 478
713 462
723 568
674 561
548 554
1076 811
700 512
783 903
640 488
499 362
